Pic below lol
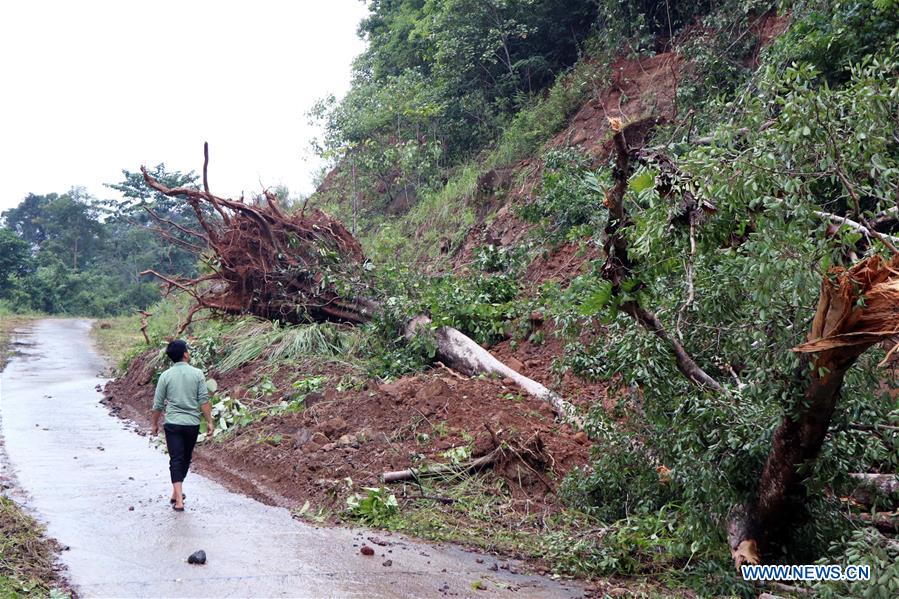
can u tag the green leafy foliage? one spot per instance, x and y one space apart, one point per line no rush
227 413
27 567
797 142
834 37
569 203
375 508
863 547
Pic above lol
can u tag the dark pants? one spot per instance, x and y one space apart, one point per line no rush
180 439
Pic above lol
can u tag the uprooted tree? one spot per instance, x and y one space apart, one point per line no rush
300 267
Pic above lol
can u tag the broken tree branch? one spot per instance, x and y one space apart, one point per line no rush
439 469
618 267
840 333
206 166
144 323
888 240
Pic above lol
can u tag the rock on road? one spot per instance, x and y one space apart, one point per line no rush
103 491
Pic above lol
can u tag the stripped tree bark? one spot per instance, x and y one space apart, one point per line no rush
463 354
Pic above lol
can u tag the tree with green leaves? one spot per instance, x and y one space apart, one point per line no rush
743 307
65 225
15 259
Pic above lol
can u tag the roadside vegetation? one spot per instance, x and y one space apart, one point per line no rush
27 559
9 322
807 126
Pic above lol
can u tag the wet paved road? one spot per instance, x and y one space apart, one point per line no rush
82 472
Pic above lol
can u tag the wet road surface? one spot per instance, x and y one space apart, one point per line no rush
103 491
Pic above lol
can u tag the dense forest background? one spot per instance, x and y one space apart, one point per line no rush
73 254
477 159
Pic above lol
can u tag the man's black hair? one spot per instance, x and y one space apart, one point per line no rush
176 350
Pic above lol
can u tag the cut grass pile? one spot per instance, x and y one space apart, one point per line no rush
27 562
248 339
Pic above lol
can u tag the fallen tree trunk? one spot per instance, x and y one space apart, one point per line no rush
885 522
303 267
439 469
885 483
872 485
460 352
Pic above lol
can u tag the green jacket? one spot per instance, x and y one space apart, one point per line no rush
182 390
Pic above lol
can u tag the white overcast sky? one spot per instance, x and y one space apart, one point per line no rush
91 87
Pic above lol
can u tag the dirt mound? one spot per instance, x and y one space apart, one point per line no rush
360 434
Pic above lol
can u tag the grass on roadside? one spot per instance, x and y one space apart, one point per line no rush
27 563
117 337
483 512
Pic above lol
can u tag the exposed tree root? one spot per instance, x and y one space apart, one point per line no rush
300 267
440 469
266 262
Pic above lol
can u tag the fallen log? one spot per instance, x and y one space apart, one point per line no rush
885 522
440 469
462 353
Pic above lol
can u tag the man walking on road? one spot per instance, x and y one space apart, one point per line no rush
182 391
